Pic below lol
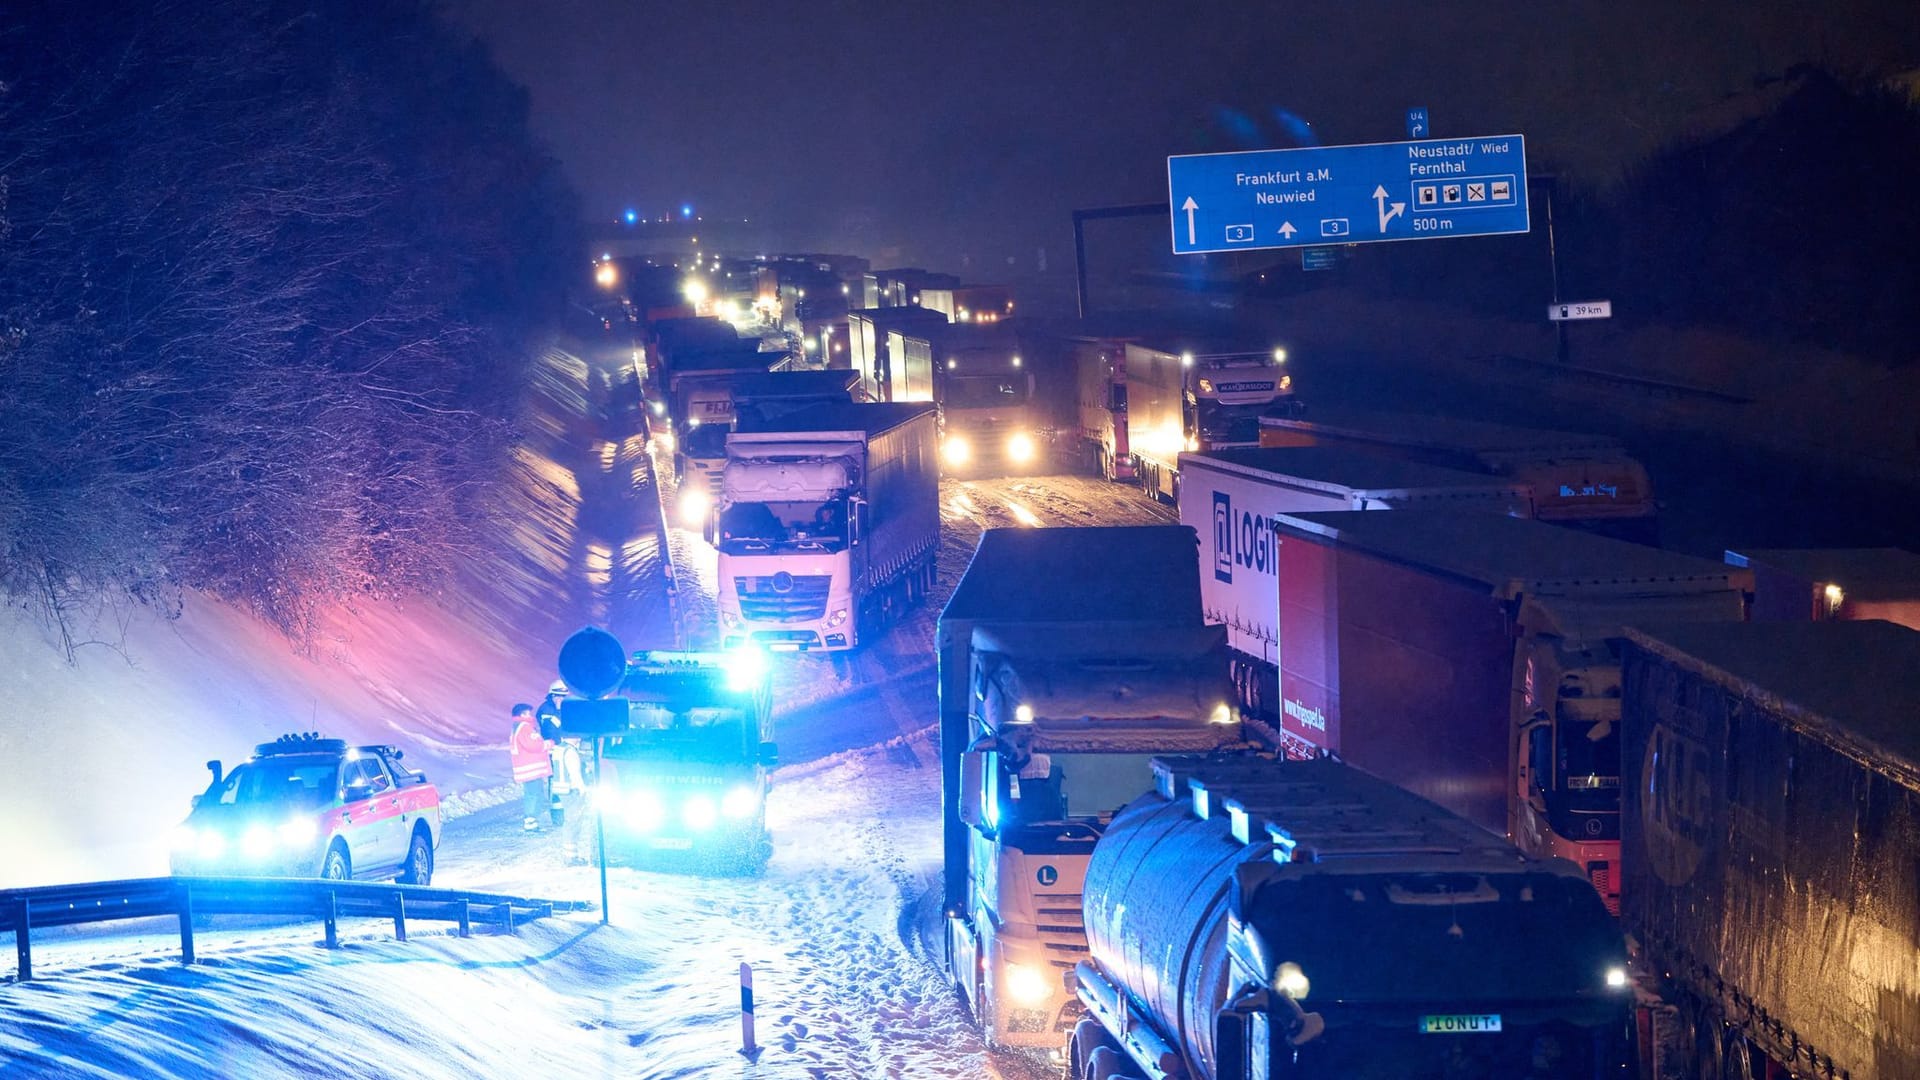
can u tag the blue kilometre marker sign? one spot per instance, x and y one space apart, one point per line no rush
1418 190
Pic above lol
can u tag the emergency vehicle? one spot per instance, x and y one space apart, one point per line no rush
306 806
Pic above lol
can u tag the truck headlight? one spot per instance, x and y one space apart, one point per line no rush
1020 448
740 803
699 812
955 450
1222 714
1291 981
839 616
730 619
1027 984
695 501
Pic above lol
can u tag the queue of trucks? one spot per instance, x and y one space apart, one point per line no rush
1485 721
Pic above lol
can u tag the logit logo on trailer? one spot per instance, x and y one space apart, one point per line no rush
1223 537
1247 541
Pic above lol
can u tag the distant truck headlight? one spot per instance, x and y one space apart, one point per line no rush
1222 714
1020 448
1027 984
695 501
955 450
740 802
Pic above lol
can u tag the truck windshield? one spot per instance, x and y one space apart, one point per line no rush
748 528
1060 787
1589 754
985 391
1224 424
705 441
293 780
704 734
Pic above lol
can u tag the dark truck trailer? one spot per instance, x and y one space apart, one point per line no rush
1797 584
1474 659
1772 838
1256 919
1577 479
884 374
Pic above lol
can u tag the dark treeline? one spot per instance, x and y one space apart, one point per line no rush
271 276
1798 225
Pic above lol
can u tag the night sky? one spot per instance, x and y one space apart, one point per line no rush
913 131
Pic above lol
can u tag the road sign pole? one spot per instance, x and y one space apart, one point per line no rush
1553 264
599 831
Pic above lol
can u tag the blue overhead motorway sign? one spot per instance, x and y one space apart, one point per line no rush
1418 190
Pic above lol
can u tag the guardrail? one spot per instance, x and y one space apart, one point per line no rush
183 898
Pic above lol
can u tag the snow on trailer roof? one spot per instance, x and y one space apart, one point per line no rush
1865 573
1341 471
841 418
751 385
1328 810
1855 684
1513 556
1134 573
1445 432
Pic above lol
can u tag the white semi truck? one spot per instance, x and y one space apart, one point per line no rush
1068 658
828 522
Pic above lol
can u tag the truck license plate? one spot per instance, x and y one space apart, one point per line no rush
1461 1024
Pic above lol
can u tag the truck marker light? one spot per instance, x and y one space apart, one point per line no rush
1027 984
1279 356
1186 359
1291 981
1016 361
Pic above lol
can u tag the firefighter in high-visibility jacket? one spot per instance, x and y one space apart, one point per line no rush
531 766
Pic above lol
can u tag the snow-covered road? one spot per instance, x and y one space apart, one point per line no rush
840 929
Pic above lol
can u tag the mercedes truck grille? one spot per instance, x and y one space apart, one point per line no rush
783 597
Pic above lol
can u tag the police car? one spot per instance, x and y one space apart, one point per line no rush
304 806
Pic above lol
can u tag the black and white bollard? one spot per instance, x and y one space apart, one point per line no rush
747 1045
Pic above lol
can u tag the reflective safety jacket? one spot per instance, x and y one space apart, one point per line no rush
529 751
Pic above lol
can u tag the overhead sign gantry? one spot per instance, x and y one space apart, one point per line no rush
1416 190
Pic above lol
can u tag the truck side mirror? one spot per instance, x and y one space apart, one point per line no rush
218 772
857 523
710 528
1536 744
973 769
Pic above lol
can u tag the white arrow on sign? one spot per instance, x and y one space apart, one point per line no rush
1287 230
1190 206
1380 204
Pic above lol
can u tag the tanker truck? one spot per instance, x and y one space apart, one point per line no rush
1068 658
1253 918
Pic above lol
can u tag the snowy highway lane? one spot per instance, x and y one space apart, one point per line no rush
842 929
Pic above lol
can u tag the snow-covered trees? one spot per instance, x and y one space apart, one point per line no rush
270 276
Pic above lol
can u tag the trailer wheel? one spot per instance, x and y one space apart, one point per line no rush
1106 1063
1707 1056
1088 1036
1736 1062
